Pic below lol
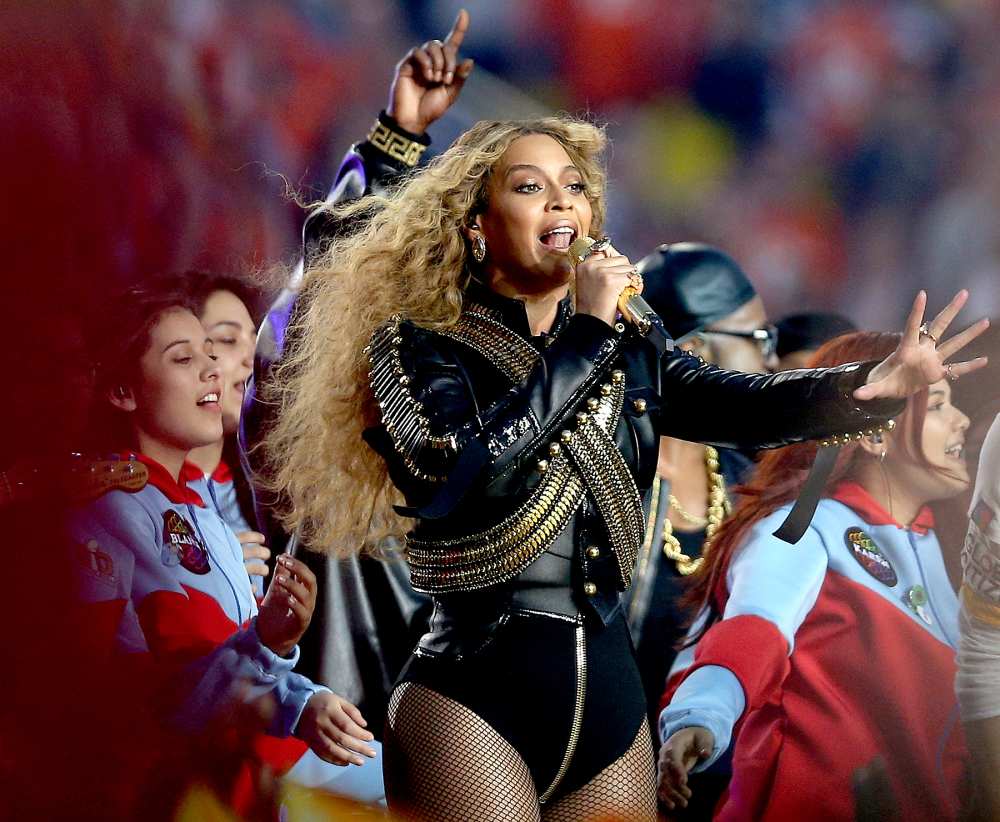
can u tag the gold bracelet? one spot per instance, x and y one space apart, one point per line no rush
395 144
846 439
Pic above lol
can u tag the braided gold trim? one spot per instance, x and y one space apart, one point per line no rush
395 144
483 331
582 460
591 461
403 415
501 552
609 479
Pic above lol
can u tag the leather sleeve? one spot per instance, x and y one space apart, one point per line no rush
732 409
364 170
430 384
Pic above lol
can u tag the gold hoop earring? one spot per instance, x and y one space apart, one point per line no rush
479 248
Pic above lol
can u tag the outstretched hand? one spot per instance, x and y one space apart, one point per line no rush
335 730
922 356
679 754
429 78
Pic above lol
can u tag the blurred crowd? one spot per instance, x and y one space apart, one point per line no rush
841 150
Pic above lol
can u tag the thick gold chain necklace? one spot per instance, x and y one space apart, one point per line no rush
718 509
684 514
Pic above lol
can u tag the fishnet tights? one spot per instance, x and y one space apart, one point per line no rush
443 763
625 791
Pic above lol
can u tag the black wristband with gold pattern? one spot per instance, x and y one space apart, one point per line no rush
396 142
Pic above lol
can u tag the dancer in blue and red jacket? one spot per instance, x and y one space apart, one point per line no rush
226 306
824 655
164 573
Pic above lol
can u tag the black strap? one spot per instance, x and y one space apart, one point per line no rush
798 519
474 457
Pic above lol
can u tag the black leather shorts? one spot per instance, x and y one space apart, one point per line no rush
548 683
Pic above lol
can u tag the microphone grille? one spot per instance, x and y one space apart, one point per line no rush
578 249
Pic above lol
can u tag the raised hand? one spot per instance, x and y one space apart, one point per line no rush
679 754
288 606
922 356
332 727
429 78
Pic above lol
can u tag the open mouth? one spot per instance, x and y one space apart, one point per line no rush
210 400
558 238
956 451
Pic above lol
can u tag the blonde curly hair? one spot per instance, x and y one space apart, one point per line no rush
410 257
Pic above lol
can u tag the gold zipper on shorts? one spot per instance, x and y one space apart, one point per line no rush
581 693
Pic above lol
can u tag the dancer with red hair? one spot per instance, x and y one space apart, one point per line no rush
818 658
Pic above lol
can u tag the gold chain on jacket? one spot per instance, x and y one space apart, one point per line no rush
580 460
499 553
483 331
609 480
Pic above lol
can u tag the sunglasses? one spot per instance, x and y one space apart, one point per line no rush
766 338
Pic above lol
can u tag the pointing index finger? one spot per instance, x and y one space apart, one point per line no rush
457 33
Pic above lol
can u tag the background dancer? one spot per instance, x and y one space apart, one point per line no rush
164 575
225 305
824 655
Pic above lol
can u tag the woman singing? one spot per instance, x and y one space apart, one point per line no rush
449 384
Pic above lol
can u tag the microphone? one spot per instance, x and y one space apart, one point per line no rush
630 302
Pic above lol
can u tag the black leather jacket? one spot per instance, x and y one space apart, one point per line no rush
507 429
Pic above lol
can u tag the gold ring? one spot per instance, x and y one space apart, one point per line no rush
924 332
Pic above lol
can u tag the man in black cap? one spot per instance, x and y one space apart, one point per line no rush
704 298
710 308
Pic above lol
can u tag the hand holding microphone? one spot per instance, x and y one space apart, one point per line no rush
609 284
